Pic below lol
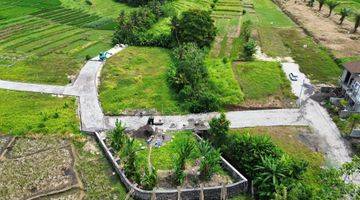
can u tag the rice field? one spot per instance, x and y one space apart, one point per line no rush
48 30
227 16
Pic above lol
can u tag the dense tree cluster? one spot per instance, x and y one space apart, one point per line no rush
189 79
194 26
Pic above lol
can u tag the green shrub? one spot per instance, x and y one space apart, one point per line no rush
249 50
194 26
117 136
219 128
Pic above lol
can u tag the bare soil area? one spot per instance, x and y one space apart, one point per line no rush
326 30
35 167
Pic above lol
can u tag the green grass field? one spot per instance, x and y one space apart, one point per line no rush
136 79
279 36
42 41
37 113
259 80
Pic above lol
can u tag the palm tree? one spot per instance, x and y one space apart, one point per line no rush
344 12
321 3
357 21
332 4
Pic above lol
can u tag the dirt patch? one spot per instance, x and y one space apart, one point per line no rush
37 167
325 30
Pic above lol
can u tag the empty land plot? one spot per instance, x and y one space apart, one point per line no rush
279 36
38 173
37 113
45 37
136 79
264 84
39 165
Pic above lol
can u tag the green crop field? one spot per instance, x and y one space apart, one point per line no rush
42 41
37 113
227 16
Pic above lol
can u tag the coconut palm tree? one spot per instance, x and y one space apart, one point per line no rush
344 12
331 4
321 3
357 21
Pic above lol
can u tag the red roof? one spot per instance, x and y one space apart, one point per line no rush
353 67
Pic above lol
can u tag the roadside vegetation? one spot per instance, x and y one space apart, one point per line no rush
278 170
37 113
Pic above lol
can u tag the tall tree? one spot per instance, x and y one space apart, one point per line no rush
331 4
194 26
321 3
344 12
357 21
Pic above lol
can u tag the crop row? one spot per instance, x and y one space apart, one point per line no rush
44 34
34 48
28 32
16 29
63 45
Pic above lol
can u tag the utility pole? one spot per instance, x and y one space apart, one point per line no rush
301 91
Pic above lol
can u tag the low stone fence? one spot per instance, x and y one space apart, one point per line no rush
241 184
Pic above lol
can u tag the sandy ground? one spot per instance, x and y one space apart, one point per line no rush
325 30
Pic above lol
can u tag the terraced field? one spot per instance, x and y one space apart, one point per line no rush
227 16
49 42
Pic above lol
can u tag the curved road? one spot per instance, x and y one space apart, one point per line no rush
93 120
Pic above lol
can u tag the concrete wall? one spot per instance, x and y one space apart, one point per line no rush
241 184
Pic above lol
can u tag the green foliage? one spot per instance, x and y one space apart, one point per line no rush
189 78
219 128
246 29
344 12
184 151
129 154
194 26
136 2
117 136
321 3
133 27
149 179
311 3
249 49
331 4
210 161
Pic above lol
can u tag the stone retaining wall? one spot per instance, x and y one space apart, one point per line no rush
241 184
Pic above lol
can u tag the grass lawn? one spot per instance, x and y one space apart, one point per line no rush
259 80
270 15
105 8
136 79
287 139
37 113
96 172
163 158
